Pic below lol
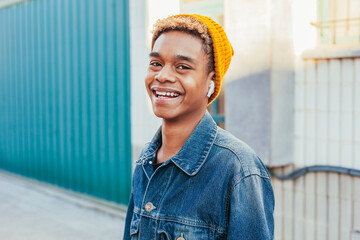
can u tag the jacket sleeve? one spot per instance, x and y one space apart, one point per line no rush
251 209
129 214
130 208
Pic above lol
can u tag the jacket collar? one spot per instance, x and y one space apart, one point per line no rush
195 150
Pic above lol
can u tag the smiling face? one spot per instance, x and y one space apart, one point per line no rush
177 79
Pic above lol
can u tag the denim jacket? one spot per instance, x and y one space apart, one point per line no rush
215 187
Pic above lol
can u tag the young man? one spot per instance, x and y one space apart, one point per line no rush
194 180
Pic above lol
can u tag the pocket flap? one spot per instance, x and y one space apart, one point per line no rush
173 231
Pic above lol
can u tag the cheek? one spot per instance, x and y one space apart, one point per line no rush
148 79
197 88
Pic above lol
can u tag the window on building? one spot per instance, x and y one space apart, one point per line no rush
338 22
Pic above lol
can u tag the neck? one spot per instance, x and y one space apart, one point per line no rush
175 133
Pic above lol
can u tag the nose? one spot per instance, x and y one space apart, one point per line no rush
166 74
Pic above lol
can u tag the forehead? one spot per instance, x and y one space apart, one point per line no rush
179 43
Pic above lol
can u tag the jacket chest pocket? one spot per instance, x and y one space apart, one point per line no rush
177 231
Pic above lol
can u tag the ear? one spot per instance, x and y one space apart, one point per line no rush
211 76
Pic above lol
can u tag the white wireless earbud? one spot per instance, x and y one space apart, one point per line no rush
212 86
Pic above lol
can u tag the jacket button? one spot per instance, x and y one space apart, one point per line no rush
181 237
149 206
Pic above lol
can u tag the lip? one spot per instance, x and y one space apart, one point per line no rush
159 100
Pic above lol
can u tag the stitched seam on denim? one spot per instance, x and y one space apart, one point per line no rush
227 198
147 186
141 159
142 166
137 224
191 222
178 220
252 174
242 178
233 151
207 154
141 212
138 212
226 208
156 227
248 172
151 153
202 162
183 221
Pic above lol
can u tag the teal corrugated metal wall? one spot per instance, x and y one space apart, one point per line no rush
65 94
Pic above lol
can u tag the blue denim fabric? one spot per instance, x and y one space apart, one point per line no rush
215 187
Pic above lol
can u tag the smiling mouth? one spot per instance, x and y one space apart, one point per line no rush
160 94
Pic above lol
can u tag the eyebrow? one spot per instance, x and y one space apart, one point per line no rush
176 58
154 54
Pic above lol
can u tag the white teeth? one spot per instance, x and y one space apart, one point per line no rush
161 93
172 94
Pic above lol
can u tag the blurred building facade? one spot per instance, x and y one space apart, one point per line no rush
292 93
298 80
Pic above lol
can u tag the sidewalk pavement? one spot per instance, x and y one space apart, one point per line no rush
31 210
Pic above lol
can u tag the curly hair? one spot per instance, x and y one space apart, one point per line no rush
189 25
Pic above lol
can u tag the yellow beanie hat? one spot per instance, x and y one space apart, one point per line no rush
223 50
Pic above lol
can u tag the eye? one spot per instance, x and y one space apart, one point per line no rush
184 67
155 64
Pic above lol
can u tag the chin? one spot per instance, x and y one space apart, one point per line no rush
165 113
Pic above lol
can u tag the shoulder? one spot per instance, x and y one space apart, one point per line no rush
239 155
